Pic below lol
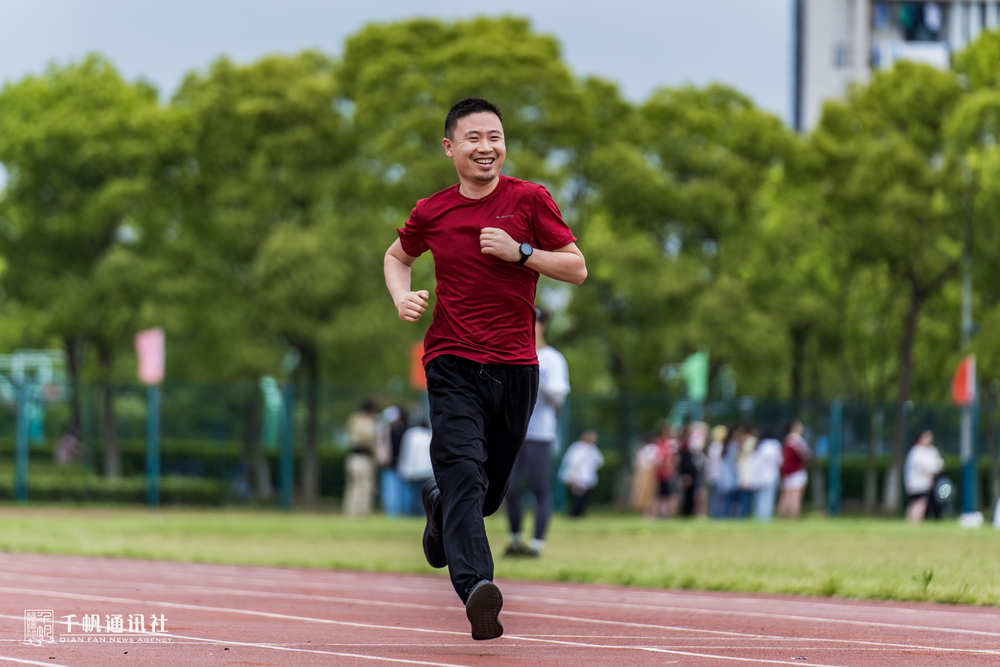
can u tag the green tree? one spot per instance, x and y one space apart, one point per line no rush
272 163
882 152
973 130
788 262
89 159
673 188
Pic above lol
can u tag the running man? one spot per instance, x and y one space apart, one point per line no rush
490 236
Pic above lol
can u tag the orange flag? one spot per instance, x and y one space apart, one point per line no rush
963 385
417 378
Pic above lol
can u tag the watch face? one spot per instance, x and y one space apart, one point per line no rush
526 248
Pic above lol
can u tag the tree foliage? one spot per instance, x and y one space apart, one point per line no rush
90 159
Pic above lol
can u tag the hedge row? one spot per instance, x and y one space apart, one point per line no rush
173 490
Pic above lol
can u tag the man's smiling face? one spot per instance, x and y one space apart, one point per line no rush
477 147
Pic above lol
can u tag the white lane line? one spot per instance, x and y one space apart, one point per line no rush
647 649
659 627
31 662
277 577
452 608
653 649
732 634
744 636
272 595
620 605
847 606
307 577
279 647
670 608
754 614
244 612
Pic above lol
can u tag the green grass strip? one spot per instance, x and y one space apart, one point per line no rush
855 558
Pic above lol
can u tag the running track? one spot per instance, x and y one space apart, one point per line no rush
224 615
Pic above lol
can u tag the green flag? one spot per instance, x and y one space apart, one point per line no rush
695 372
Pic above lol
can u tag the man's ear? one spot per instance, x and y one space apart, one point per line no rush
446 142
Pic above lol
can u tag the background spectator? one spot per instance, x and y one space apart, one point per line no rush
714 471
794 476
923 463
392 425
765 467
687 471
744 472
360 483
533 460
414 467
666 467
645 477
579 470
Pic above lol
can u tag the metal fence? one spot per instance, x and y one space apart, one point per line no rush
207 430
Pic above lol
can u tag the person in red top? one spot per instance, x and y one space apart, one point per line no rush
667 453
793 471
491 236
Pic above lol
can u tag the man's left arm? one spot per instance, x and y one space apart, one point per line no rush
565 264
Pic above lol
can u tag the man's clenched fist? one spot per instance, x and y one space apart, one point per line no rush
413 305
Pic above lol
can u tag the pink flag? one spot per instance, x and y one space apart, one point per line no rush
150 346
963 385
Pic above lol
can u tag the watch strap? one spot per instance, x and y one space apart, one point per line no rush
524 255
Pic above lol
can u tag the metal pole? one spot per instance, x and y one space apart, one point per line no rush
966 447
833 492
287 467
153 446
21 483
968 462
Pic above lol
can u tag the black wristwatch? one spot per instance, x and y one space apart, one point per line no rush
526 251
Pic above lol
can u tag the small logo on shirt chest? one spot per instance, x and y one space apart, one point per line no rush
505 216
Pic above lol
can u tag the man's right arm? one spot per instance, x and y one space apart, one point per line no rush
411 305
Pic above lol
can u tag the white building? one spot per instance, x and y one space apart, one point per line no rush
839 42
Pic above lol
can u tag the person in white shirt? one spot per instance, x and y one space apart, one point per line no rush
714 471
534 458
414 465
923 464
765 473
579 470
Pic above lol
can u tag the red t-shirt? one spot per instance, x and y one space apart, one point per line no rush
485 309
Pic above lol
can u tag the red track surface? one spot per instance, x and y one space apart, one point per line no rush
223 615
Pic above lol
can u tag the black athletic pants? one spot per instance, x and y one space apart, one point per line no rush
533 461
479 416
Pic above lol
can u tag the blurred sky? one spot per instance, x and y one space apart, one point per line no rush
640 44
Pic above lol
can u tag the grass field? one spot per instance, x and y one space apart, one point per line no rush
858 558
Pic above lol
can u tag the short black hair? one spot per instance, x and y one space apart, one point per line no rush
467 107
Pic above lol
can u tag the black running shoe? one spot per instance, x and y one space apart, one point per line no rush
433 546
483 610
517 550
